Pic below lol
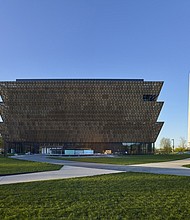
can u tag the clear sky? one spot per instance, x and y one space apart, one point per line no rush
147 39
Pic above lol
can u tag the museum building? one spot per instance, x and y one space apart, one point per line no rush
80 116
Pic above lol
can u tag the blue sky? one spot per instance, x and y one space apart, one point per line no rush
147 39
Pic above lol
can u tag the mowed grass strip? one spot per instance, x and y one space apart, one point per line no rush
12 166
187 165
128 159
114 196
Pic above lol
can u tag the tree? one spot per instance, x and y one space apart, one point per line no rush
182 145
165 145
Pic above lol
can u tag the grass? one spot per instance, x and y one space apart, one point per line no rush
12 166
127 160
115 196
187 165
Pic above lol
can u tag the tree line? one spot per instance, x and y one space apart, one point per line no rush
167 147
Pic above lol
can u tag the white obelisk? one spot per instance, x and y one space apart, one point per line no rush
188 143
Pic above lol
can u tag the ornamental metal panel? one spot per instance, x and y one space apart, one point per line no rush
80 110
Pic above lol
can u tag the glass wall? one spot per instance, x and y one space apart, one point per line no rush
138 148
97 148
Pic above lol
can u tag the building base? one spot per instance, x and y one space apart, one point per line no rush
80 148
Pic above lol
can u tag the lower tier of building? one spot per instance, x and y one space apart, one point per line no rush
79 148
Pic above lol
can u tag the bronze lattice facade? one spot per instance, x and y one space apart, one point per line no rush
99 114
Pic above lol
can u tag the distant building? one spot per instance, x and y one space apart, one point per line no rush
86 115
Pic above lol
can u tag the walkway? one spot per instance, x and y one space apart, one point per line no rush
171 167
73 169
64 173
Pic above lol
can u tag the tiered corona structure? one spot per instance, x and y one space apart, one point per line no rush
105 115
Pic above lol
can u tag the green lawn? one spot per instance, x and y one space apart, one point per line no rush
114 196
13 166
187 165
129 159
